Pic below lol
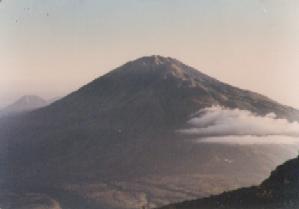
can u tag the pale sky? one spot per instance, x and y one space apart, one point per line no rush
52 47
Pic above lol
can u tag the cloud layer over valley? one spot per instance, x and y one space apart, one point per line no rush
221 125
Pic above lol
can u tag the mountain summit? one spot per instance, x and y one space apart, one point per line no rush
25 103
113 143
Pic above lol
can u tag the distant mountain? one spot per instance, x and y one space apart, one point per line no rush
114 143
280 190
24 104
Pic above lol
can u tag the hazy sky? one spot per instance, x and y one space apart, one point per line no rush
51 47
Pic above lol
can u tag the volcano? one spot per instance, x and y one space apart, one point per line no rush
24 104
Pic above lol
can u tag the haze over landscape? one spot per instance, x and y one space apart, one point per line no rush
60 45
137 104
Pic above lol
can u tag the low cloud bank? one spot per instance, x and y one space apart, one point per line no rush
218 124
251 140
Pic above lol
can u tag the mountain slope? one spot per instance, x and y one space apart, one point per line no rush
118 135
280 190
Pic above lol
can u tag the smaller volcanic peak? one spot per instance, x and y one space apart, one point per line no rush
31 100
25 103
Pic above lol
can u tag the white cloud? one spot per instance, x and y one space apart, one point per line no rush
218 124
250 140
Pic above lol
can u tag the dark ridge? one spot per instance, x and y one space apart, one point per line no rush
280 190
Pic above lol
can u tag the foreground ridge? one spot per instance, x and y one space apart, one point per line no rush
280 190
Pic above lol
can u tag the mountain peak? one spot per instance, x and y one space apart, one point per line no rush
28 99
168 64
160 67
25 103
156 60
